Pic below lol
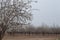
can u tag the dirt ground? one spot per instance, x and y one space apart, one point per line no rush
31 37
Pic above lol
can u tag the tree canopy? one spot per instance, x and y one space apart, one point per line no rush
14 11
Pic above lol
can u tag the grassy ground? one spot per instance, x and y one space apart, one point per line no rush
31 37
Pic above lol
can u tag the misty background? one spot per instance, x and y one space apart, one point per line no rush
48 13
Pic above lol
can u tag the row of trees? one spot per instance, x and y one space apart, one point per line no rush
36 30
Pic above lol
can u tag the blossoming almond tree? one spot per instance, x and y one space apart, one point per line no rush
13 11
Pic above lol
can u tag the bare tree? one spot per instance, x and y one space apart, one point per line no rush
13 11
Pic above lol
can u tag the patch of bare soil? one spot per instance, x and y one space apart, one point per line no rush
31 37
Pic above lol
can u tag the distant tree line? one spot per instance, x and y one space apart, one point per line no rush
36 30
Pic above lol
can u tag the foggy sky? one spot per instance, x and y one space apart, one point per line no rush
49 12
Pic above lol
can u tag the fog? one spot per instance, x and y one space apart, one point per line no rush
48 13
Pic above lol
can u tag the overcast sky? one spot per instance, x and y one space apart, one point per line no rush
48 13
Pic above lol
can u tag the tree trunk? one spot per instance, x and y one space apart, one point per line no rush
2 32
0 36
